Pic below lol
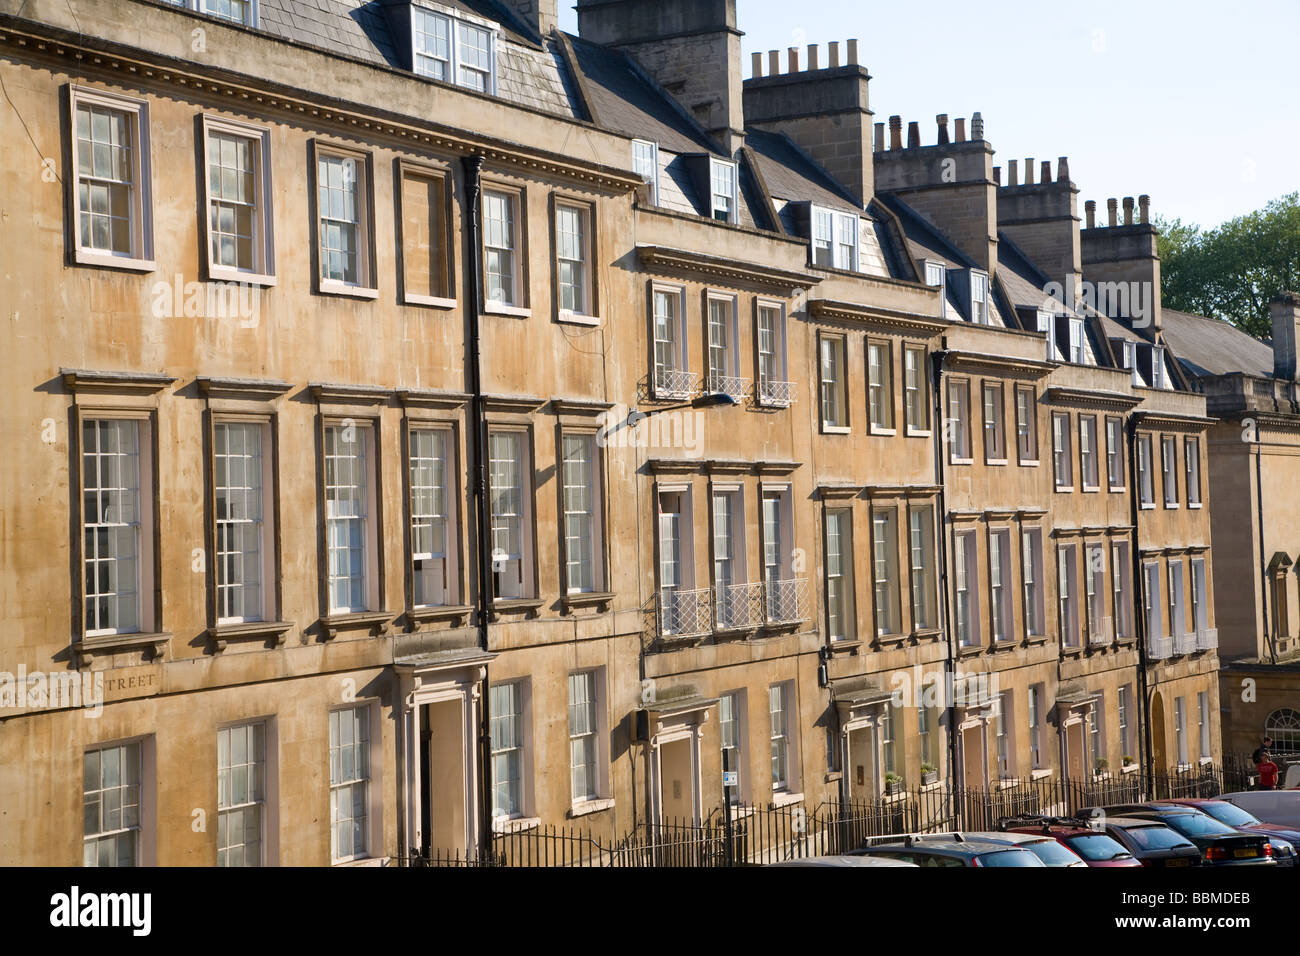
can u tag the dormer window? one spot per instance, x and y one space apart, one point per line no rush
645 159
834 239
723 185
979 298
1047 327
453 49
1129 360
936 275
243 12
1076 341
1158 377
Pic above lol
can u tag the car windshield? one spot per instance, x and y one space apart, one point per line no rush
1097 847
1051 852
1009 858
1225 812
1156 838
1196 825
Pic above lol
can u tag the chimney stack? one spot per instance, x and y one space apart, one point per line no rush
814 57
1090 210
1130 256
1144 210
757 60
1063 170
977 127
942 120
895 132
880 137
542 15
1013 172
1043 221
774 62
833 53
794 59
1112 213
1128 210
1285 312
913 135
1029 172
691 47
961 129
853 52
1045 176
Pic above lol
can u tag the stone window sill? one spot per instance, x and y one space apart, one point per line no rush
101 645
334 624
784 799
515 824
456 613
584 807
221 635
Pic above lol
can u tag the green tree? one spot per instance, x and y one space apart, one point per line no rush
1232 272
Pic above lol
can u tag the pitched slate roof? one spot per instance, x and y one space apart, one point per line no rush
792 174
1207 346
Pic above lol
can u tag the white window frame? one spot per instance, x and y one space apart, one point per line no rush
726 174
521 585
144 525
1121 571
1004 726
1000 585
1062 452
1047 325
993 408
680 557
1122 703
1068 593
727 514
887 599
1203 723
1036 695
829 228
591 580
1115 477
916 391
202 6
678 345
841 619
363 434
1180 729
1192 470
966 590
256 795
837 384
1158 377
455 65
367 779
1078 342
365 285
645 160
936 276
981 298
262 241
520 747
1151 598
1177 607
584 263
135 827
263 522
880 387
1094 574
772 366
140 258
1146 472
1089 465
727 378
1097 731
733 712
1200 604
1128 360
1169 470
960 451
1026 425
593 735
921 561
782 738
447 514
1031 563
512 244
776 517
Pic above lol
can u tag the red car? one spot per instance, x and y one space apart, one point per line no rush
1095 847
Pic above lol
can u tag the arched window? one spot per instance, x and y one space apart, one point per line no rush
1283 725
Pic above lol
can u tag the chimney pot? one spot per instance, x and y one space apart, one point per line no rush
961 129
977 127
853 52
895 132
774 62
1144 209
1063 169
1128 210
794 59
1112 212
880 137
758 64
814 57
942 120
1029 172
1045 176
997 175
833 53
1013 172
913 135
1285 312
1090 210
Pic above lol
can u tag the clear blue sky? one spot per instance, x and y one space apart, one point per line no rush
1196 103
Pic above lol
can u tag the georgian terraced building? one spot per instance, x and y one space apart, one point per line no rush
378 481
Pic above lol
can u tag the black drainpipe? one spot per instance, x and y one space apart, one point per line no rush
473 297
1140 617
937 431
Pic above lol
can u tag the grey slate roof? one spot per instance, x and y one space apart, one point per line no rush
791 174
1213 347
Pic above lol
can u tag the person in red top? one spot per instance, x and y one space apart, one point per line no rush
1267 772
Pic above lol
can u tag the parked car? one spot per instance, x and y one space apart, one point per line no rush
1045 847
1093 847
1279 807
1152 843
924 849
844 860
1285 840
1220 845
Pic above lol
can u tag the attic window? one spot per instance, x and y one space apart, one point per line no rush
1077 351
1129 360
645 158
1047 326
236 11
834 239
979 298
1158 378
725 202
452 49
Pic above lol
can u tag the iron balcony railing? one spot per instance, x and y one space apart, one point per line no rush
1160 648
787 601
777 394
675 383
1103 633
685 613
732 385
738 606
1185 643
1208 639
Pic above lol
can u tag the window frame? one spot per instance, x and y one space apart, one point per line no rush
1121 572
1116 454
960 439
1027 428
740 717
764 393
1062 452
995 427
1089 463
654 164
596 511
263 239
880 385
886 592
840 348
598 791
1094 593
1047 325
1001 613
454 61
141 256
916 398
269 576
373 585
440 182
680 342
922 578
847 612
591 294
1032 570
732 170
266 803
145 836
979 279
527 517
372 781
715 377
1146 471
1192 470
452 561
517 209
833 245
966 583
524 747
790 782
1169 471
367 285
1067 569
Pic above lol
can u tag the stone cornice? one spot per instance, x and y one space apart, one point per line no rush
888 319
87 380
255 388
699 264
1172 420
1091 398
989 364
